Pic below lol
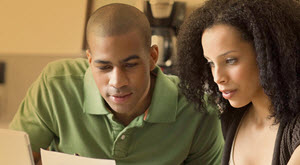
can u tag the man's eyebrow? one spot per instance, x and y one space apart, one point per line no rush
102 62
131 58
125 60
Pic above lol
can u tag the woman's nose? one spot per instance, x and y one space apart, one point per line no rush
219 75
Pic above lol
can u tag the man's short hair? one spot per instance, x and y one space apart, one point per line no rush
117 19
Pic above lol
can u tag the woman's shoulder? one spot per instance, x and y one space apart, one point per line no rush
290 138
292 132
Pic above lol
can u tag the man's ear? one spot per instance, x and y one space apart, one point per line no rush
89 56
153 56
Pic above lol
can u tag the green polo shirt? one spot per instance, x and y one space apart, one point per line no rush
63 109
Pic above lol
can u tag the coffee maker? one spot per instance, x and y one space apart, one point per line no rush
165 17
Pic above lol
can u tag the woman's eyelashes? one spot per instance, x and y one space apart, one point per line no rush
229 61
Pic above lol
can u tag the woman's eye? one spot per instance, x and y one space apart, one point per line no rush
231 61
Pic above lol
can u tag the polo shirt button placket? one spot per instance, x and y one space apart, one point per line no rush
120 147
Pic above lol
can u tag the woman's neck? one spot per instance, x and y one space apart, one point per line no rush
260 112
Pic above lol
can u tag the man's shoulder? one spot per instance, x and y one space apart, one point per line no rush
66 67
183 104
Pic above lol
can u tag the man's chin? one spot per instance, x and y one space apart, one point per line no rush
119 108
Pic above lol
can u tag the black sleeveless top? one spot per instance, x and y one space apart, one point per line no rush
287 139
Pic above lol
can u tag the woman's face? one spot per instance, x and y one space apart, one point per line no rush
233 64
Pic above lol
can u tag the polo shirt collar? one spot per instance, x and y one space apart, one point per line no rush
163 107
93 102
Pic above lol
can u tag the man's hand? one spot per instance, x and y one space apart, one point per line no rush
37 158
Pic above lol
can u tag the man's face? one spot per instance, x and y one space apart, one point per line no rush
121 68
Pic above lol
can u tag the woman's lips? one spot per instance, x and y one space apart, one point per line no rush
228 94
120 98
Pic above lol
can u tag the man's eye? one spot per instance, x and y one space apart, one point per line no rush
231 61
107 67
130 65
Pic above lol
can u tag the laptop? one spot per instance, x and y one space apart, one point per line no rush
15 148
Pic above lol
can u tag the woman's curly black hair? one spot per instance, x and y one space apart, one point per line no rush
273 26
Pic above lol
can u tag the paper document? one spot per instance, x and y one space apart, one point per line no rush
56 158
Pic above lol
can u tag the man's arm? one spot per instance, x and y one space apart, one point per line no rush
34 117
208 143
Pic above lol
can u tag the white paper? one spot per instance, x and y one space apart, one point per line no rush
57 158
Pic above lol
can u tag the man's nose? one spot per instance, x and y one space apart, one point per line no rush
118 78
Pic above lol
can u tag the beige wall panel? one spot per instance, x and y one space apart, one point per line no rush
39 27
100 3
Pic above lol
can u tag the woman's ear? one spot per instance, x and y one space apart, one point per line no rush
153 56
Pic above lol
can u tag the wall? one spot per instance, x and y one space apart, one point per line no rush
35 27
21 71
34 33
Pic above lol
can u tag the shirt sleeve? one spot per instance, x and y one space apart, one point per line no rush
208 143
34 117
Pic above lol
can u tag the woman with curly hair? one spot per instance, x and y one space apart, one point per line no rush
245 56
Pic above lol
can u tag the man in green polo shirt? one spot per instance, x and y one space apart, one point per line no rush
117 104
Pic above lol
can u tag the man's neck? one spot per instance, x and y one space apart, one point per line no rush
124 119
